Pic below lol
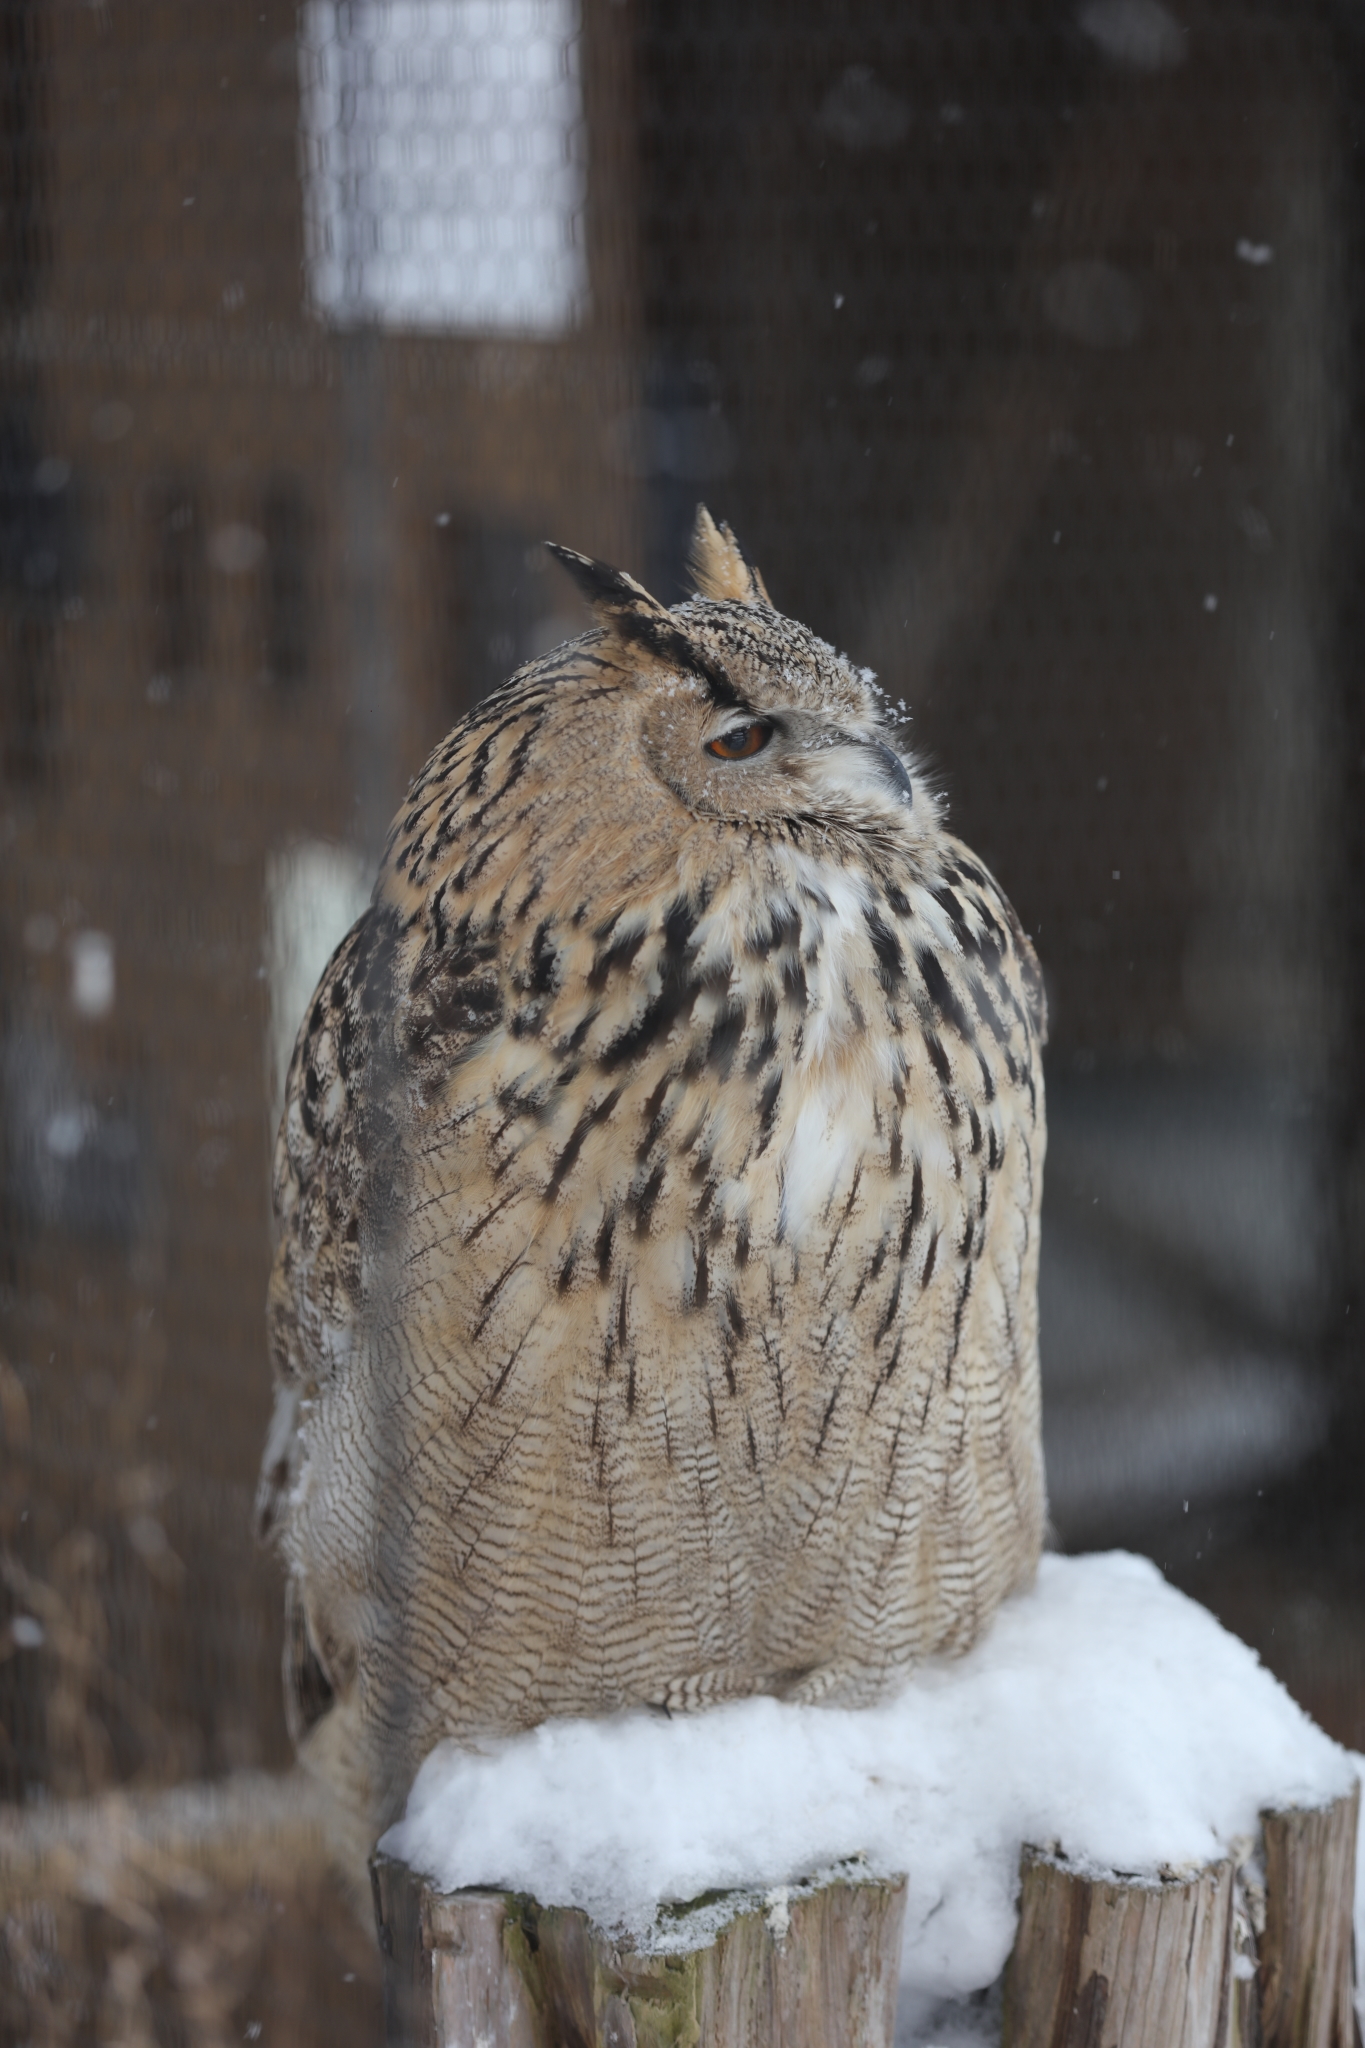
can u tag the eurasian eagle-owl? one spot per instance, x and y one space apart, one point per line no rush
654 1313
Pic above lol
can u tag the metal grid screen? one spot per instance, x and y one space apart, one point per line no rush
1021 347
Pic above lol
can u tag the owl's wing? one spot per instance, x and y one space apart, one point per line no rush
399 1004
1030 972
327 1156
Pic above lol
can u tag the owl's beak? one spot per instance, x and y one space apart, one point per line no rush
855 767
892 769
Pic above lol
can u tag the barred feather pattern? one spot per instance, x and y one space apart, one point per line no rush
654 1314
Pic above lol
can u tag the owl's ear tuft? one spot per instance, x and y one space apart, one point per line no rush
638 622
718 567
614 597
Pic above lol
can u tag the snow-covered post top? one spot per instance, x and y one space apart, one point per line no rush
1105 1725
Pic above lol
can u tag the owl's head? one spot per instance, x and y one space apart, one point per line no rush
748 716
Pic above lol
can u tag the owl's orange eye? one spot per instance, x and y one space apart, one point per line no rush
741 741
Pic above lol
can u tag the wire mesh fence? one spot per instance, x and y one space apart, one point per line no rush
1021 349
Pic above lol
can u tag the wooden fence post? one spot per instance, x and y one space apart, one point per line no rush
1233 1956
1101 1959
1305 1954
812 1966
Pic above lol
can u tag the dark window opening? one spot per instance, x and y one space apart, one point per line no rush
25 239
178 606
37 573
286 585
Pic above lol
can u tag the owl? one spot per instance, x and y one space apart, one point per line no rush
654 1312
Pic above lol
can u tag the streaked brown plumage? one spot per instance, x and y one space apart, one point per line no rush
654 1314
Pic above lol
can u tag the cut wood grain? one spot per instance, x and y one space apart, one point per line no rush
814 1966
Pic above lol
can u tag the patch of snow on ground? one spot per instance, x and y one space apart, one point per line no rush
1104 1713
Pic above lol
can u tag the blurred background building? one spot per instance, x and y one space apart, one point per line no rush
1022 345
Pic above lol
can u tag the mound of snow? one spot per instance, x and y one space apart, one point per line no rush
1104 1713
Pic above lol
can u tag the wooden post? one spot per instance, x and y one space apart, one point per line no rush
1218 1958
1101 1959
812 1966
1304 1978
1253 1953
